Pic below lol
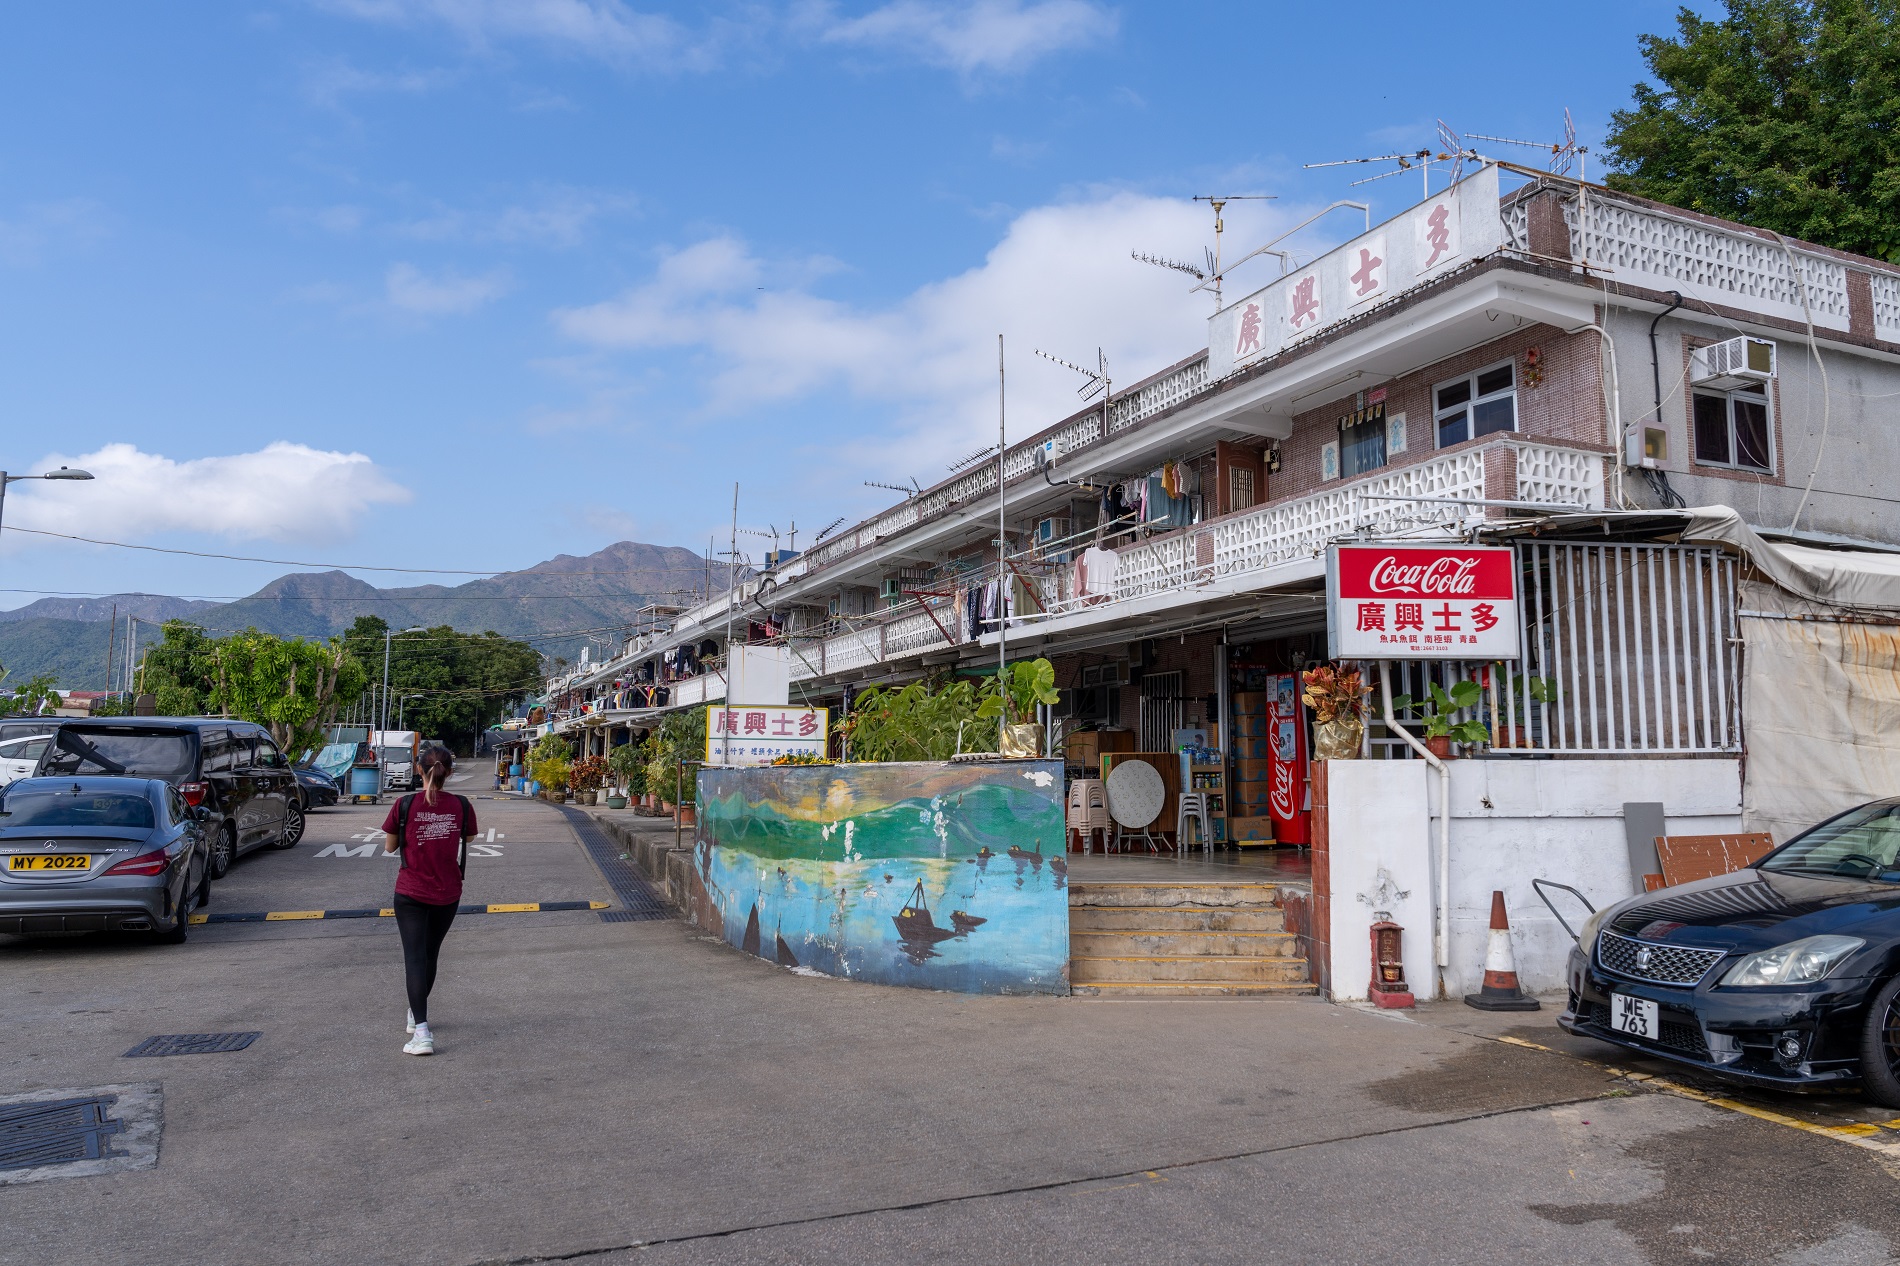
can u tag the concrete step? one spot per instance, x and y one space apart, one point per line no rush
1167 944
1167 894
1191 989
1196 969
1175 919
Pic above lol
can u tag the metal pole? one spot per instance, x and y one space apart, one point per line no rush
112 646
1002 541
387 632
732 585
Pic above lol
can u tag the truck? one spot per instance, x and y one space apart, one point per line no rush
397 750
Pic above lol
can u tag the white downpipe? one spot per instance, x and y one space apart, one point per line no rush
1441 935
1613 402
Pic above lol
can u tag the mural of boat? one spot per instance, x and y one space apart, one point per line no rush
965 923
914 922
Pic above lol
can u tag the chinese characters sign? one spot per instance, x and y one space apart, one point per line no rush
742 735
1422 602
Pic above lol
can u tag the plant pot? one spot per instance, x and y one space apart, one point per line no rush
1516 736
666 806
616 802
587 797
1022 740
1338 739
1440 747
689 815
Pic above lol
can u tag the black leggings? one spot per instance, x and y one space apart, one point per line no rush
422 927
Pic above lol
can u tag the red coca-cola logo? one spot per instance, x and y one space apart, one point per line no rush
1387 572
1282 791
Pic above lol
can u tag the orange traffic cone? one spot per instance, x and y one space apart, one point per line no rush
1500 992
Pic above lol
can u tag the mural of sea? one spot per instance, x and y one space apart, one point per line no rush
934 876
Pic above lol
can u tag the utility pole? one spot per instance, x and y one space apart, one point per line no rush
112 645
1002 543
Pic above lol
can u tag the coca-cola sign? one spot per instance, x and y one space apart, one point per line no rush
1422 602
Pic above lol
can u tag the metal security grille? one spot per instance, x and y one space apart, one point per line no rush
57 1131
640 903
1160 711
1663 964
192 1044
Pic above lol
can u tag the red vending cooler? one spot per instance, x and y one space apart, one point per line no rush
1290 800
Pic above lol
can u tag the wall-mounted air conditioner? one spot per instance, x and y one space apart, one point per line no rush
1732 363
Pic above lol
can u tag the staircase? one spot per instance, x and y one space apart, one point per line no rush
1182 940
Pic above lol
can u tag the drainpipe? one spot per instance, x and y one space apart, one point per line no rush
1442 934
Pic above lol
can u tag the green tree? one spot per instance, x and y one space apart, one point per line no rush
1781 115
29 694
291 687
446 684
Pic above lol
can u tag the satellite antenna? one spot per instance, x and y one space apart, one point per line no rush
1562 153
828 529
912 491
971 459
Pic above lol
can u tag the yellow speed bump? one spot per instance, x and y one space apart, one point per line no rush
283 916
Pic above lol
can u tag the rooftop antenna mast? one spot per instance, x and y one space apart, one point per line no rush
1098 381
1562 153
909 491
828 529
1218 202
1451 149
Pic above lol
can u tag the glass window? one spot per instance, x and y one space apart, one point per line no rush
35 807
217 752
163 754
1481 404
1362 445
267 753
1732 429
1860 844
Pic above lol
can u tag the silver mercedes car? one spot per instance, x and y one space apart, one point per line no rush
96 854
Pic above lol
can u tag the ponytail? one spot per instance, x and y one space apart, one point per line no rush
434 765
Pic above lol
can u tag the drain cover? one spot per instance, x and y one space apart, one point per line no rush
78 1132
192 1044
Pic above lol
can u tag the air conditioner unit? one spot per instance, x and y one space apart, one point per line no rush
1732 363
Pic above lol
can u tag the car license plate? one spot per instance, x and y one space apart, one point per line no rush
50 861
1637 1017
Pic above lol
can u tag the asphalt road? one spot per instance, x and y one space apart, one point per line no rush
607 1091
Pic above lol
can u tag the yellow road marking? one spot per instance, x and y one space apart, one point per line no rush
597 905
199 918
280 916
518 908
386 913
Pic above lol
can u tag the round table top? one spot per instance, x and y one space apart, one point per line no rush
1135 793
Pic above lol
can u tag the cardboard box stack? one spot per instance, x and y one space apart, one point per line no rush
1248 821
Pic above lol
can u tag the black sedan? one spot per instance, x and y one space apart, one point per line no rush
100 855
318 789
1785 975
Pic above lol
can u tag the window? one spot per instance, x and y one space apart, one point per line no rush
161 754
1362 441
1731 429
1484 403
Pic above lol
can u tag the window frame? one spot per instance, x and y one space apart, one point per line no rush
1471 402
1765 398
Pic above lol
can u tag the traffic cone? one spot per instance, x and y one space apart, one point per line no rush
1500 992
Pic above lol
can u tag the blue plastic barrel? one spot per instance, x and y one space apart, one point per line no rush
363 782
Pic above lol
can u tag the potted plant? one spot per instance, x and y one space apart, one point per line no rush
1437 711
1538 689
1337 697
629 768
1014 695
586 777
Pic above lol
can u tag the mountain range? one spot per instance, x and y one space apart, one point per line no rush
561 605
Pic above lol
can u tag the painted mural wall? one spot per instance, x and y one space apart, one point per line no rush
933 876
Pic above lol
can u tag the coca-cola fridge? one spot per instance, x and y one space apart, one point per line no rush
1290 800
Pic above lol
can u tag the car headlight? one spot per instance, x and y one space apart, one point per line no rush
1587 936
1796 963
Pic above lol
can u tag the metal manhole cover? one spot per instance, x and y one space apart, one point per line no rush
77 1133
192 1044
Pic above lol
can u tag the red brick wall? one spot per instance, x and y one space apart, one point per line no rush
1567 407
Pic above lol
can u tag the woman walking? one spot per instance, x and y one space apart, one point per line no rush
431 829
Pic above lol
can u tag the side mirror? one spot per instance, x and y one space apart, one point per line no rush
200 814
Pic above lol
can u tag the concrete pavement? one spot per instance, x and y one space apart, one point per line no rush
607 1085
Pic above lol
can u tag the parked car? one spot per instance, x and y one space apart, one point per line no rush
21 727
20 756
318 789
1784 975
93 854
230 768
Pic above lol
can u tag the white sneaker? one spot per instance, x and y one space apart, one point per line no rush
408 1021
421 1043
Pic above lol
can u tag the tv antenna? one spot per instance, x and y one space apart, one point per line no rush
912 491
828 529
1219 202
1098 382
1160 261
771 534
1562 153
971 459
1451 149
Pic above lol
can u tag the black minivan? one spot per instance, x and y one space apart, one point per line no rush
230 768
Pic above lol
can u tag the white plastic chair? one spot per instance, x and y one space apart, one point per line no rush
1193 804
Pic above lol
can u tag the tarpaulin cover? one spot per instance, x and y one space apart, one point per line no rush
1862 580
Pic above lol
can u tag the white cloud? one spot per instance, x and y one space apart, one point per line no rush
410 289
37 230
282 492
606 29
330 83
989 35
556 217
1060 279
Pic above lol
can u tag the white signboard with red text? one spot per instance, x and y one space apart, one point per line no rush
1422 602
741 735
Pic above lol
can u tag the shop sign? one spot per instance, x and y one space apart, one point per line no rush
741 735
1421 602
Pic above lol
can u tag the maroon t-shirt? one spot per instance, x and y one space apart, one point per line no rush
432 848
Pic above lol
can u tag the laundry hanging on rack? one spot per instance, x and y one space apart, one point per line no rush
1095 575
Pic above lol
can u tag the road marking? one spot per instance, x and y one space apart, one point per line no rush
340 849
385 912
478 849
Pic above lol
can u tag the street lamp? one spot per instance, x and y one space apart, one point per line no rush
64 472
388 634
400 701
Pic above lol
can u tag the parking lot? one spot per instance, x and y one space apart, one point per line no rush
612 1089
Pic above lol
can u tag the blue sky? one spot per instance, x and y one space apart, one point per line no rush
469 283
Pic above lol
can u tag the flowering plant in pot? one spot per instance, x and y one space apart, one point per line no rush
1337 697
586 777
1438 711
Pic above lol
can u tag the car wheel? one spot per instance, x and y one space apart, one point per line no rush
1880 1047
293 826
181 925
223 853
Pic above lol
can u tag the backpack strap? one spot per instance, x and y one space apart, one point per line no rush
402 830
461 845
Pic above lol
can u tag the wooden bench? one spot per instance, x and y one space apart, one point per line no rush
1687 858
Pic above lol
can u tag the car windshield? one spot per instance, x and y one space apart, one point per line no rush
397 756
1859 844
161 754
36 807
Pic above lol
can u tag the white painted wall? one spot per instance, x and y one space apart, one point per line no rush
1512 821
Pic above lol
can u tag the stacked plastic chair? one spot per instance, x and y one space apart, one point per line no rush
1192 804
1088 813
